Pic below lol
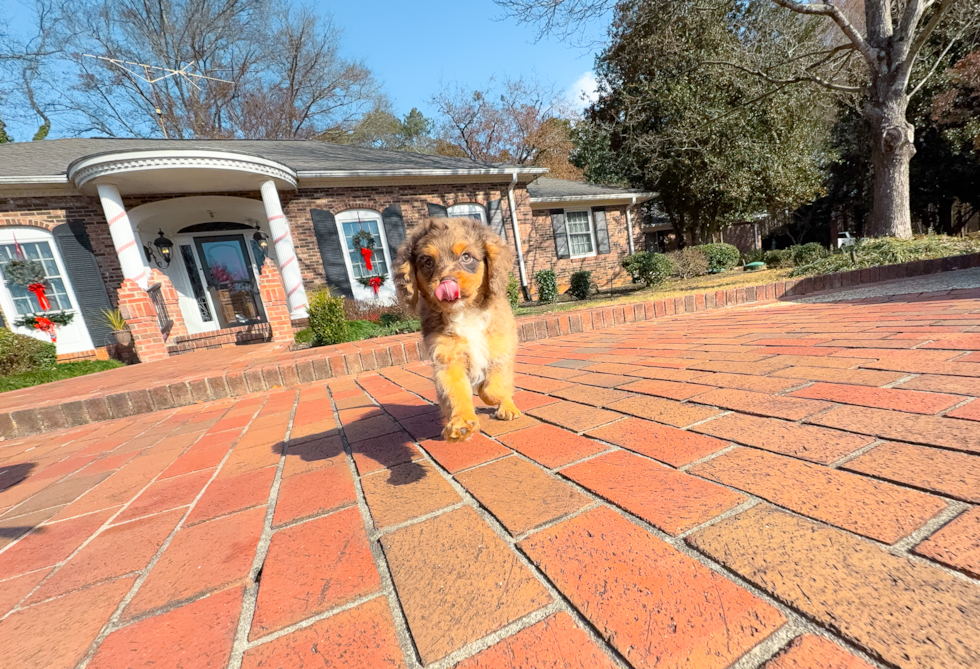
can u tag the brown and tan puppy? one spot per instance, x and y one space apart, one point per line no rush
453 272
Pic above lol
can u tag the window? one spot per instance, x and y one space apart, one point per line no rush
24 301
581 236
352 222
469 210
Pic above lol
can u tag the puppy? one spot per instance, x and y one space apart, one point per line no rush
454 272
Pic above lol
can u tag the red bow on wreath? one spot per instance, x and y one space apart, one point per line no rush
45 325
375 283
366 252
42 299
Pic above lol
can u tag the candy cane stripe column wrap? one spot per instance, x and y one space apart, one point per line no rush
127 248
288 265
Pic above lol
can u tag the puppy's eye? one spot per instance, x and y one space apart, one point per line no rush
427 263
466 257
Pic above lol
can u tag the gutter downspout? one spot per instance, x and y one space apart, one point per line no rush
517 237
629 225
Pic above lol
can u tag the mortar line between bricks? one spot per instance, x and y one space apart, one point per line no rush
107 524
904 379
405 641
839 462
946 515
240 642
113 622
956 406
70 474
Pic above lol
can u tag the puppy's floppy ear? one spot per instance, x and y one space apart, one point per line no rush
500 261
405 284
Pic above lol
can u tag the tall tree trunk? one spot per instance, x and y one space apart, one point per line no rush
892 147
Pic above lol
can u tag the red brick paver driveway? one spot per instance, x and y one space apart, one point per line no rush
781 487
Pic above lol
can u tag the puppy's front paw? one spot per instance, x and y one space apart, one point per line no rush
507 411
461 428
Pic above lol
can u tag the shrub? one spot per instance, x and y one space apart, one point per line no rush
581 284
689 262
648 268
720 256
327 319
21 353
513 291
807 253
778 258
547 285
890 251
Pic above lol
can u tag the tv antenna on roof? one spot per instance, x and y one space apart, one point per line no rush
149 78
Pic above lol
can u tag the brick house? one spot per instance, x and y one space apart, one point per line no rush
194 239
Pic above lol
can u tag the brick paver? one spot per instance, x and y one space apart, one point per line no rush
694 491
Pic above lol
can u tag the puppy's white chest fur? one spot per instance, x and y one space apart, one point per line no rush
471 326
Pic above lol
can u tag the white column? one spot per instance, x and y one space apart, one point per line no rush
629 225
127 246
288 265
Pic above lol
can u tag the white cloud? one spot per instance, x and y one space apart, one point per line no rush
583 92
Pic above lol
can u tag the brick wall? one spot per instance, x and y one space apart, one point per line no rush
539 251
413 200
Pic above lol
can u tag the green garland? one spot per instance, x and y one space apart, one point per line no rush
24 272
363 240
366 280
61 318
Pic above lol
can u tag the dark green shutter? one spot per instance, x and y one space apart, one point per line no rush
601 230
331 251
496 215
561 235
85 276
436 210
394 228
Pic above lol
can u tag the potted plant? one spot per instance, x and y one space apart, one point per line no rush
120 330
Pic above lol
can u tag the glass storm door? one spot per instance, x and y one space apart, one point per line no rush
231 282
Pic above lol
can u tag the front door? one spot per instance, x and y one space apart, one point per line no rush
17 302
227 268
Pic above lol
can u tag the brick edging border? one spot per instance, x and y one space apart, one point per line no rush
384 352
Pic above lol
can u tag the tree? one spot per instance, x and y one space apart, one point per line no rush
523 121
288 79
381 129
716 145
887 48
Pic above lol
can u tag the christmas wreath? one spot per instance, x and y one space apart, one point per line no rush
31 275
364 242
46 323
373 282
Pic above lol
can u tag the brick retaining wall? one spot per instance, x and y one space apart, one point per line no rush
289 368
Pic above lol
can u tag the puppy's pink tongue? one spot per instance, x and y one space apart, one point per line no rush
448 291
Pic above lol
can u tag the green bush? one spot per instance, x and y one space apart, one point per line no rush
648 268
513 291
890 251
581 284
777 258
807 253
547 285
720 256
21 353
327 319
689 262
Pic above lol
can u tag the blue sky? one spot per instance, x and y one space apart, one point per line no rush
414 48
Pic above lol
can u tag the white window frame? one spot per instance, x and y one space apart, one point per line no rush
568 236
386 293
468 209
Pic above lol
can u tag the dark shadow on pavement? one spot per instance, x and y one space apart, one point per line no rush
11 475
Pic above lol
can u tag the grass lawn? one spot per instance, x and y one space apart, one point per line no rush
65 370
672 288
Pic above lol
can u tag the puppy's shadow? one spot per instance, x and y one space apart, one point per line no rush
394 452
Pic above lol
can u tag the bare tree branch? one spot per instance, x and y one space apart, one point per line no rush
838 17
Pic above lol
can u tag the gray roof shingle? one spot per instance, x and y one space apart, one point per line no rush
548 189
53 156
